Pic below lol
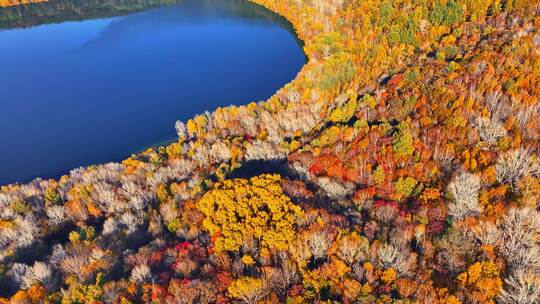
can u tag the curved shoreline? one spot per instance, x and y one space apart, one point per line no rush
279 19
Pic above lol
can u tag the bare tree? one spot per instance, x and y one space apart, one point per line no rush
109 226
56 214
73 264
464 189
520 245
181 129
391 256
490 129
487 233
287 273
141 274
264 150
351 250
38 273
27 231
515 164
334 189
521 288
318 242
220 152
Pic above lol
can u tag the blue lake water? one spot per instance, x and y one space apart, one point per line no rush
82 92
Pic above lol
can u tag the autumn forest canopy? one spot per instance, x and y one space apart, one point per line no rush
402 165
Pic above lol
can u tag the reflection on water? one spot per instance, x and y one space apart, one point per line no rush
57 11
77 93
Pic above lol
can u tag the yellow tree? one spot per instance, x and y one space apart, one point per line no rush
240 209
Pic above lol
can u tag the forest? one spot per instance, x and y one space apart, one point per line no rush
402 165
8 3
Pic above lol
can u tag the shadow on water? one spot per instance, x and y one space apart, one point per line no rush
258 167
195 12
58 11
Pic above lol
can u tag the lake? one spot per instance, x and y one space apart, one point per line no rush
86 82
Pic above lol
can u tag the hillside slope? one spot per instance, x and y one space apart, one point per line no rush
401 166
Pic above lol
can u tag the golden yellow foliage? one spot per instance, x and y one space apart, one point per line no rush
351 288
388 276
248 260
430 194
79 293
481 281
197 125
250 290
36 293
239 209
446 298
20 297
345 112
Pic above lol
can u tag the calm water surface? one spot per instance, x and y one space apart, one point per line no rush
82 92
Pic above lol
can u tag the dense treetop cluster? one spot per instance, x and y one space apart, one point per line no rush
401 166
6 3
